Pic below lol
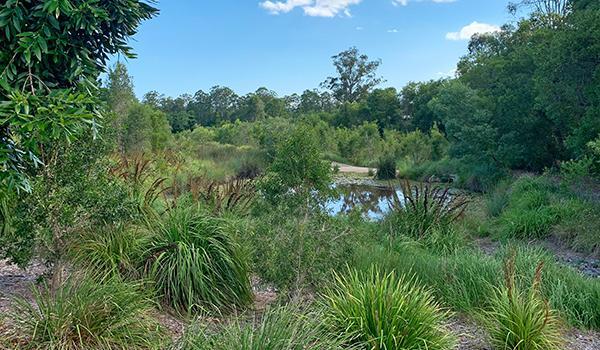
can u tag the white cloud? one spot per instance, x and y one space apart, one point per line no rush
474 28
392 30
315 8
360 28
405 2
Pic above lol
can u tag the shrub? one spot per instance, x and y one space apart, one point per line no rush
83 314
282 328
522 320
386 168
195 263
385 312
423 209
297 252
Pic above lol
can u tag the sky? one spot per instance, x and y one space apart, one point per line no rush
286 45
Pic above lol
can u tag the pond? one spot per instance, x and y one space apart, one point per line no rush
371 200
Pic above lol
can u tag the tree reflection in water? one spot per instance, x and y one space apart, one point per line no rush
372 202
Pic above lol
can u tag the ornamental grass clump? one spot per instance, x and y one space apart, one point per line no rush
379 311
83 314
195 264
522 319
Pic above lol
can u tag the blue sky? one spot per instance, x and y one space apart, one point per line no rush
286 45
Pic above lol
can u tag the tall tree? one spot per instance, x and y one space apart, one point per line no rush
356 76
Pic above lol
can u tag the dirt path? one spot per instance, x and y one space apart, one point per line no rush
351 169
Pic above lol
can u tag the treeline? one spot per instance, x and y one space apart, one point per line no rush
525 98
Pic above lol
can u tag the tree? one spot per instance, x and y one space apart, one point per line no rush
51 53
356 76
297 168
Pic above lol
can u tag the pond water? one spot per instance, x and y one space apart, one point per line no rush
372 201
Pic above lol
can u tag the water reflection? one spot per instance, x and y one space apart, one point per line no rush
373 202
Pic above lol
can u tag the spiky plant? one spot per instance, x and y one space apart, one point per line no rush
195 263
522 319
86 315
423 208
379 311
280 328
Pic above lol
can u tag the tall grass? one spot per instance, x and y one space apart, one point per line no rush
466 280
281 328
427 214
384 311
111 251
521 319
195 263
83 314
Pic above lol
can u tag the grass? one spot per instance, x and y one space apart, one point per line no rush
83 314
521 319
385 311
466 280
110 251
195 263
426 213
280 328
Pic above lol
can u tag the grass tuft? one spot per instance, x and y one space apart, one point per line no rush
282 328
382 311
86 315
522 319
195 263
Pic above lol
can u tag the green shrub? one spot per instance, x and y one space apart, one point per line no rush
283 328
297 251
195 263
522 319
466 279
382 311
83 314
386 168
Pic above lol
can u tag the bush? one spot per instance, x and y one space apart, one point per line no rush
282 328
522 320
195 263
83 314
295 252
385 312
386 168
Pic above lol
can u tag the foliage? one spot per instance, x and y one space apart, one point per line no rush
110 252
297 168
422 209
74 194
195 263
83 314
386 169
231 195
380 310
356 76
280 328
521 319
51 53
297 251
